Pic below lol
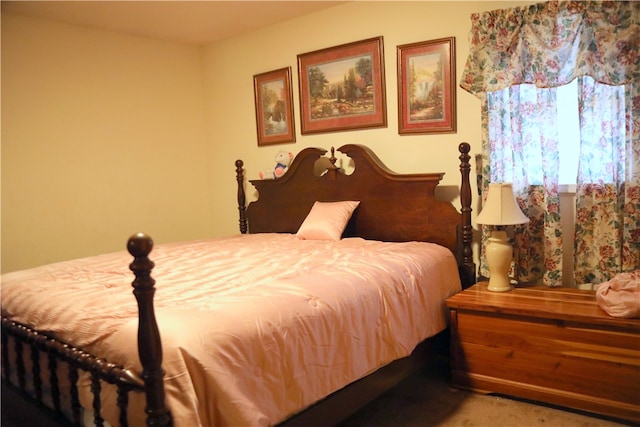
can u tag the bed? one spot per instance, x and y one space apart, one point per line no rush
331 294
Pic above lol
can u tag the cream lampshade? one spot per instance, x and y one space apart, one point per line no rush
500 209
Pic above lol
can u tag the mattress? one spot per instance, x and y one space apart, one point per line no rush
254 327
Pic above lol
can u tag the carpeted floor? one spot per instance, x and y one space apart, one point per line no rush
427 400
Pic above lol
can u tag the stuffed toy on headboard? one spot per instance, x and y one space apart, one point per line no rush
283 160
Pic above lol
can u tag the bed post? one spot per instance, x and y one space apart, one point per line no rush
149 344
467 230
242 200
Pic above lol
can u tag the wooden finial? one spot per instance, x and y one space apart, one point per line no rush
333 169
333 158
139 245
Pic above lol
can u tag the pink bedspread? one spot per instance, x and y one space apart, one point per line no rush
254 327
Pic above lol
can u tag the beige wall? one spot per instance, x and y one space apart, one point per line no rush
104 134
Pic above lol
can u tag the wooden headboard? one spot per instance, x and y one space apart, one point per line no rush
393 207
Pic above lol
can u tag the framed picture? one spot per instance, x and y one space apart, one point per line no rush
427 87
274 107
342 87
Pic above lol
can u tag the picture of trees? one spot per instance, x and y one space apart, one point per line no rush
425 87
341 88
274 107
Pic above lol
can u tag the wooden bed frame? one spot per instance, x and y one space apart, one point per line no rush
393 207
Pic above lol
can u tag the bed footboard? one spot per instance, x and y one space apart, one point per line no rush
23 373
25 352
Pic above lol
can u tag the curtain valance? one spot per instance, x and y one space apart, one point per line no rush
550 44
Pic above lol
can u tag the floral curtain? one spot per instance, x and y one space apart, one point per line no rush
517 57
550 44
608 192
523 150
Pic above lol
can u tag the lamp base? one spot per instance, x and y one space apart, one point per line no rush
493 287
499 254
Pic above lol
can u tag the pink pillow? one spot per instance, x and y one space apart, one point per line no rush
327 220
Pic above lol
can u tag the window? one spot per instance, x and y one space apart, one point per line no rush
604 115
568 135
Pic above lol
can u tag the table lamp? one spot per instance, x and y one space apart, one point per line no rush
500 209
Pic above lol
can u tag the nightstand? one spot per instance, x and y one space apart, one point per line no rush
552 345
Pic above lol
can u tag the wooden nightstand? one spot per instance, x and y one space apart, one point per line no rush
552 345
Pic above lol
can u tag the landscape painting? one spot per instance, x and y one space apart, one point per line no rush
342 88
274 107
426 87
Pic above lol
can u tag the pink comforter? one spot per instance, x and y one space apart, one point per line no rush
255 327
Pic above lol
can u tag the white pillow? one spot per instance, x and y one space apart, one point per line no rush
327 220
